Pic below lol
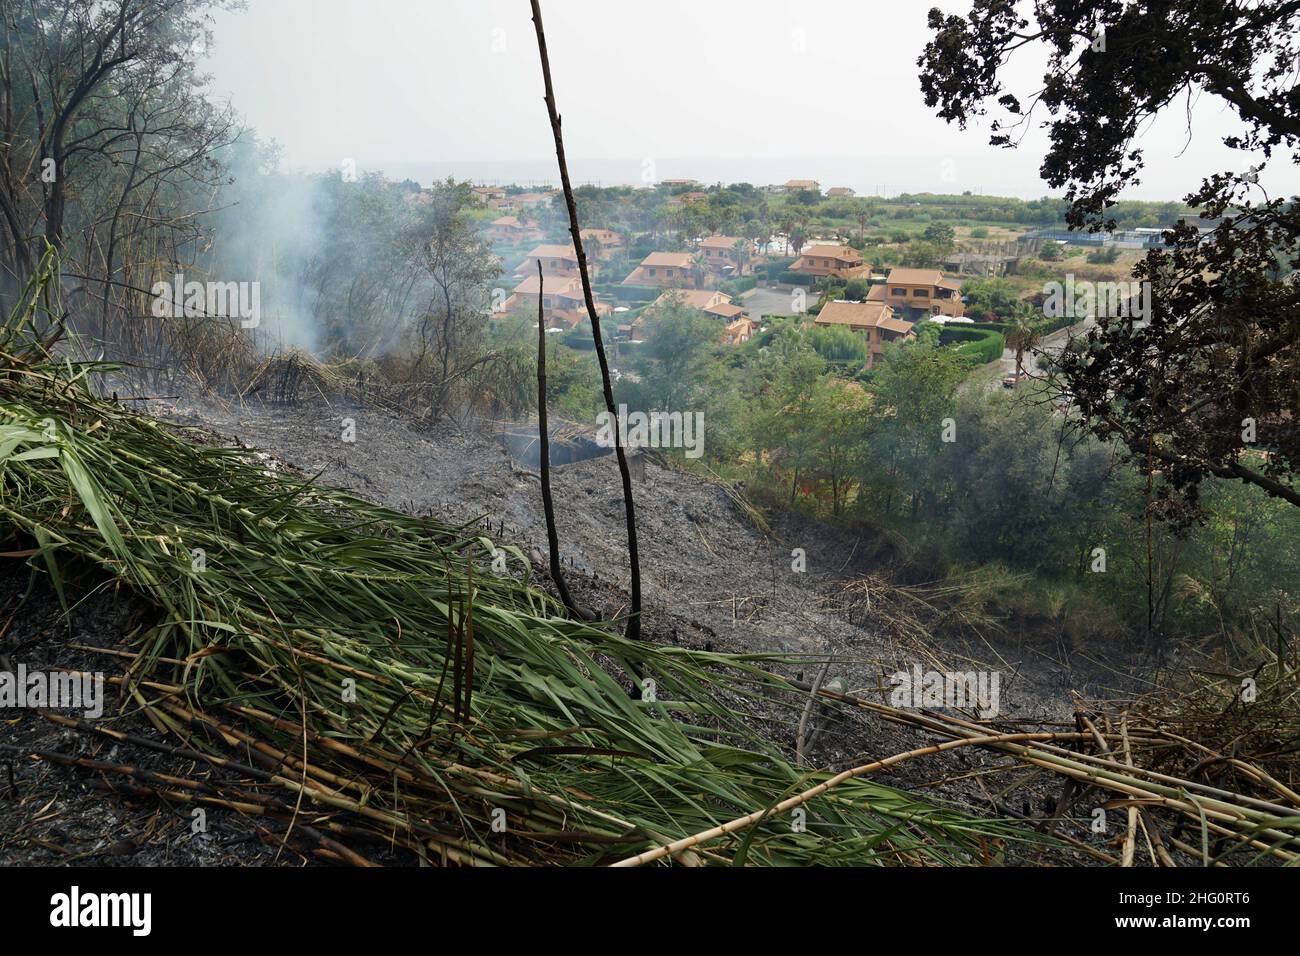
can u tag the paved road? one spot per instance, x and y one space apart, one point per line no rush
991 375
761 301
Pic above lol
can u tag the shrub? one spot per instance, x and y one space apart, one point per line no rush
979 346
1103 256
735 287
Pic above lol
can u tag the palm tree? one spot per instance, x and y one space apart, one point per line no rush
741 254
798 233
1022 336
699 271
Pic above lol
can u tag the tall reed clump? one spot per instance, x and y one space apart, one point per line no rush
382 675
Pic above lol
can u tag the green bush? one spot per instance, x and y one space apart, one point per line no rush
979 346
735 287
628 294
774 267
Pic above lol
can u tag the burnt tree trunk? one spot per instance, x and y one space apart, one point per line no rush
633 630
544 454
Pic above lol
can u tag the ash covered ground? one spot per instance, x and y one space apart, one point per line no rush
712 578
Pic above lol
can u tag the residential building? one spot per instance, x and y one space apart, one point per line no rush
533 200
719 254
874 320
981 264
840 192
799 185
686 198
674 183
561 298
557 260
716 305
604 242
486 194
510 229
739 332
709 301
916 293
826 260
665 269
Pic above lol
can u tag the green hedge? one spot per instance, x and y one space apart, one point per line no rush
1044 326
628 294
775 266
735 287
980 346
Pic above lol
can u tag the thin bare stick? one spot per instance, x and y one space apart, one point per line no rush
803 721
633 630
544 452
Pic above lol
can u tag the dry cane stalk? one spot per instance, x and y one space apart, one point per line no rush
741 823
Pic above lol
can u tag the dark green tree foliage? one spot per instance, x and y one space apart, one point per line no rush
1208 385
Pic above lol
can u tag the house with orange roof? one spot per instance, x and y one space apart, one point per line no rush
532 200
739 331
687 198
510 229
840 192
715 305
874 320
561 299
843 262
556 260
920 292
665 269
720 254
603 241
799 185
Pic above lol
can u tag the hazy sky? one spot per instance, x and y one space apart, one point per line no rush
765 84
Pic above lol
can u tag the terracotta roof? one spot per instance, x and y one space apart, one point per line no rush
695 298
552 252
721 242
554 285
892 324
914 277
682 260
506 221
832 252
725 310
876 293
862 315
840 191
801 184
